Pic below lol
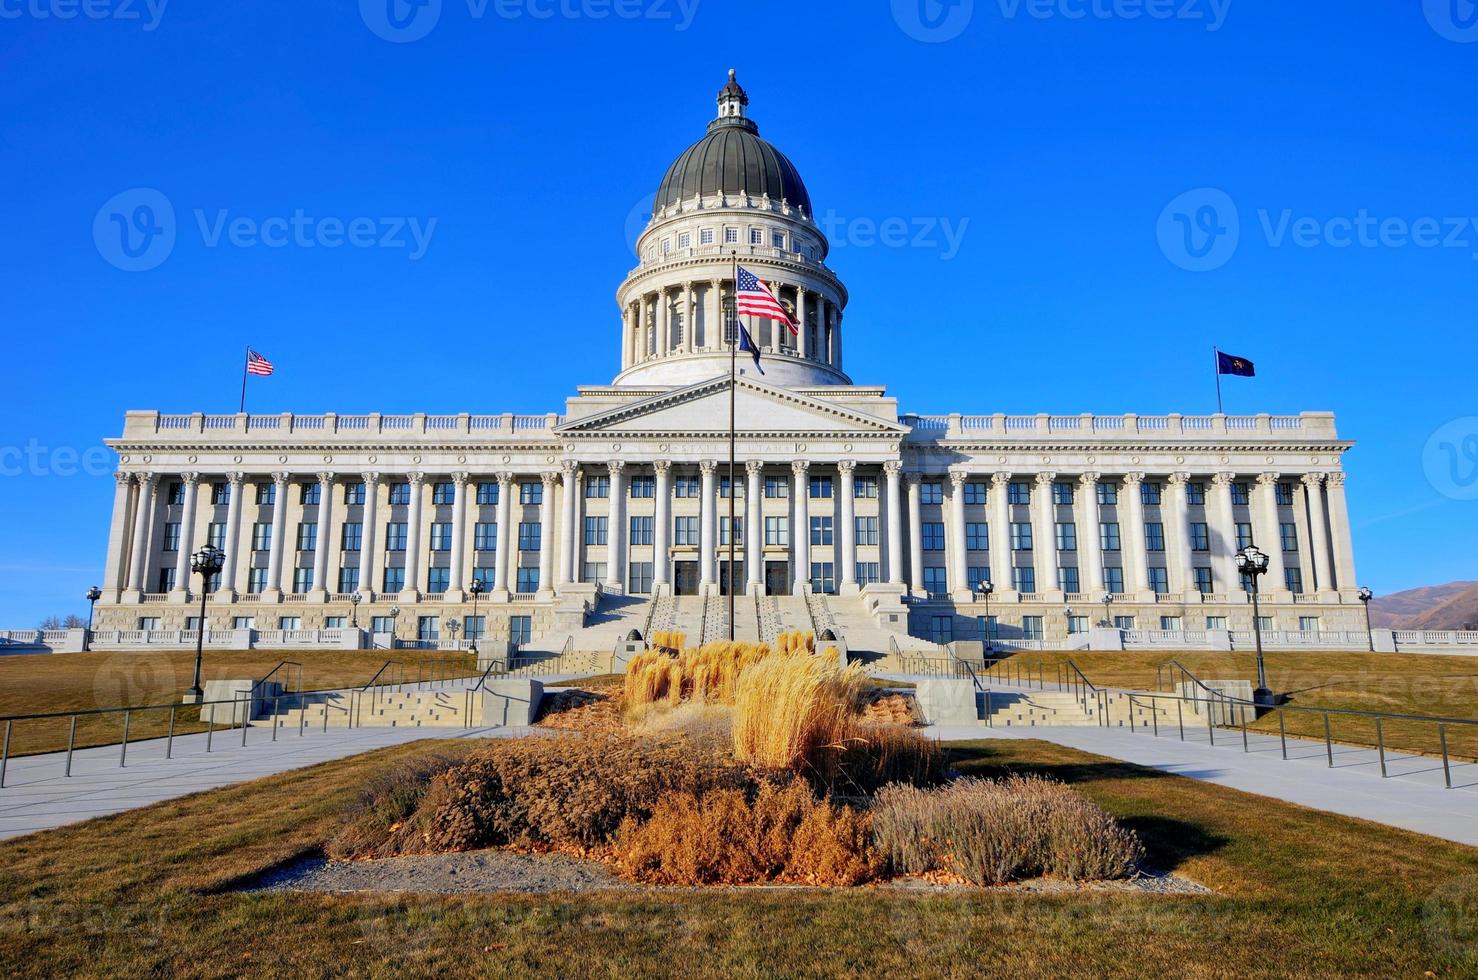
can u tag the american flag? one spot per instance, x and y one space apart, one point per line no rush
756 299
256 363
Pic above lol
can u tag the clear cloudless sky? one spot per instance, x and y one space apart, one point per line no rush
1054 140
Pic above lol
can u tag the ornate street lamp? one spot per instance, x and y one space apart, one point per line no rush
394 617
476 588
354 600
1365 596
208 561
984 589
1107 600
1252 562
93 595
1068 614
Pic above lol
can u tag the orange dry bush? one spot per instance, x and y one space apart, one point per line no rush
707 674
876 754
794 712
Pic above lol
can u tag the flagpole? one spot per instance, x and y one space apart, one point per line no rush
1216 369
733 488
244 361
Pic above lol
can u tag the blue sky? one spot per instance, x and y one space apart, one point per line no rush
1033 149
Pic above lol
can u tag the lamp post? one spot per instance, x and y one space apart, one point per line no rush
206 562
394 616
1365 596
984 589
93 595
1107 600
1067 613
476 588
354 600
1252 562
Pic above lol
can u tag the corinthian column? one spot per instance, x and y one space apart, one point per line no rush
892 470
1318 531
1090 550
754 526
546 535
800 534
1269 538
1000 534
616 529
458 574
114 577
369 568
235 487
1177 535
279 531
1136 559
186 543
324 535
1044 534
569 532
143 515
708 525
1222 530
849 526
1339 533
662 527
959 580
412 588
915 538
505 560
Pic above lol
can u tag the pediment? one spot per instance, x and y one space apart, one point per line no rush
759 408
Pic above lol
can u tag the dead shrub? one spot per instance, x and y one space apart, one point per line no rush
875 754
991 832
794 713
377 824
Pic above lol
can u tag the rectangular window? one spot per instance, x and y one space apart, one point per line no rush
1288 533
1067 537
1062 494
528 581
731 236
756 236
642 530
1108 494
354 493
777 531
1195 493
596 530
400 494
175 496
485 537
942 629
1241 493
931 493
349 579
437 580
776 487
487 493
975 574
823 578
977 536
531 493
1077 624
256 581
976 494
687 486
1170 624
723 530
302 580
1293 579
723 487
1024 579
867 530
639 578
1031 627
685 531
936 581
1265 623
1021 536
705 236
1113 579
484 574
381 624
307 537
166 579
932 537
309 494
1108 536
1200 536
394 580
867 573
289 623
351 536
1018 493
1244 536
215 535
595 571
643 487
266 494
821 532
1067 579
685 240
1308 624
395 536
1203 579
443 494
520 630
777 239
597 487
1216 622
820 487
474 627
428 628
528 535
261 537
1159 581
220 493
1284 494
1149 493
1123 622
171 537
1154 536
865 488
441 537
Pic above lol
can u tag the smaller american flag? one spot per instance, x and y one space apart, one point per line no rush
257 364
756 299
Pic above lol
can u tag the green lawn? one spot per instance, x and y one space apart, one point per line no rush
1299 893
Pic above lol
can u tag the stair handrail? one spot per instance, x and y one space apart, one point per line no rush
1211 693
252 694
568 648
356 695
1079 684
646 632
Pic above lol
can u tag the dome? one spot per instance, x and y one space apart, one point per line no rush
733 160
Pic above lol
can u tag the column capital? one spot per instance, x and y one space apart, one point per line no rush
799 467
1178 479
754 467
957 478
662 466
999 480
123 479
707 467
1132 479
846 465
371 479
325 477
615 466
1312 480
505 480
415 478
1089 480
892 467
146 480
1335 479
280 478
1045 479
236 479
1223 478
190 479
570 468
547 478
460 479
1268 479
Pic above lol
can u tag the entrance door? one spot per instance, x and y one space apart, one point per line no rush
777 578
723 575
685 578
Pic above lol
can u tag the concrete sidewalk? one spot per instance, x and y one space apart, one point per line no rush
1412 796
38 795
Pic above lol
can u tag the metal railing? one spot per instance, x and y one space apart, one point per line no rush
356 696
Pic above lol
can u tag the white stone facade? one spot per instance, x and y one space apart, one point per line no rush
626 490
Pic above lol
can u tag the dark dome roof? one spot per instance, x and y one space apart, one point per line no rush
733 160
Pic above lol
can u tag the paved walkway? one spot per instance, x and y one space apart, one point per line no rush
38 795
1412 796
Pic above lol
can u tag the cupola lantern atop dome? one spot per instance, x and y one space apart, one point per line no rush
732 99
